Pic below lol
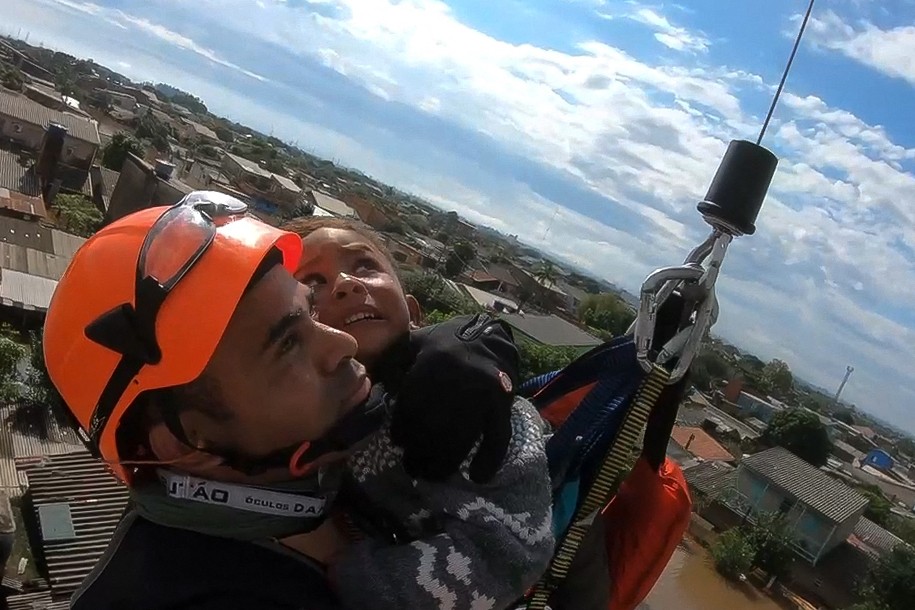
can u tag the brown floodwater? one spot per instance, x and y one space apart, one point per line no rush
690 582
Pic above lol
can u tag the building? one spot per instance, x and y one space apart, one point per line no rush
141 185
550 330
879 459
496 278
330 204
822 510
20 190
700 444
24 122
490 301
268 192
192 130
369 211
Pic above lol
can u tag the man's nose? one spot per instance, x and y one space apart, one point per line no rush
346 286
333 347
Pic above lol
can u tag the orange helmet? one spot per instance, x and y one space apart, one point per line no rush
144 303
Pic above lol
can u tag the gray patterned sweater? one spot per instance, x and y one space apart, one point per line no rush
474 546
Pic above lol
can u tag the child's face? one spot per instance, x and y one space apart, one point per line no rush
356 290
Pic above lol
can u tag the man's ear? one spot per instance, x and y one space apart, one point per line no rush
169 450
416 311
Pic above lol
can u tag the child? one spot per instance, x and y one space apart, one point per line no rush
458 475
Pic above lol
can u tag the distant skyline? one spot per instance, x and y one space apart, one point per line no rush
602 120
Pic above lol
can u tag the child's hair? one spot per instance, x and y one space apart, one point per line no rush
306 225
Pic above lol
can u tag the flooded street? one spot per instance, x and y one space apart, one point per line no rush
691 583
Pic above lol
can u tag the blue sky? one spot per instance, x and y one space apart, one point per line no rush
606 118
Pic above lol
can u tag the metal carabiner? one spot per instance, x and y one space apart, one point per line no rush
660 284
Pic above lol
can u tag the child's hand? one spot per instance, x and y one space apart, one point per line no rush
458 391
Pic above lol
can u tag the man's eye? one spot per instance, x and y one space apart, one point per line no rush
289 343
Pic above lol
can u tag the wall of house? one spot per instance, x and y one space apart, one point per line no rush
815 534
834 580
76 153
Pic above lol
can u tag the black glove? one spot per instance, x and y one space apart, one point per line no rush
458 391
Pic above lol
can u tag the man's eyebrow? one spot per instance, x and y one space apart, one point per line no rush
281 326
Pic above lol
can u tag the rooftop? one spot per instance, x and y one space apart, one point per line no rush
96 501
487 299
332 205
19 187
702 444
711 478
287 184
806 483
873 539
22 108
249 166
25 291
550 330
201 130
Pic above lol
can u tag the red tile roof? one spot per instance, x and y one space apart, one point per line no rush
702 446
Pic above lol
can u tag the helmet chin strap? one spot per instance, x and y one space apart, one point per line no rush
299 458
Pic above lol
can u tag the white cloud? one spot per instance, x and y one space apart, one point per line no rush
891 51
182 42
816 285
668 34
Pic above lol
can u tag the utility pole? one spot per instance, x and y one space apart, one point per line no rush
848 371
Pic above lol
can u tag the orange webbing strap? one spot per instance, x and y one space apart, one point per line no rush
610 473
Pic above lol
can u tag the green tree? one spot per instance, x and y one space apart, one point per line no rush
708 368
538 359
12 78
772 540
606 312
224 133
152 129
890 583
434 294
777 377
879 508
906 445
77 215
461 255
11 353
733 554
801 433
845 415
546 273
115 152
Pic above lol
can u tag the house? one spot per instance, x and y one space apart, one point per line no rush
268 192
369 211
141 185
823 511
496 278
699 443
490 301
24 122
103 183
20 190
550 330
330 204
192 130
753 406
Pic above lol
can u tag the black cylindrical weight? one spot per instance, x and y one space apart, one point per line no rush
739 188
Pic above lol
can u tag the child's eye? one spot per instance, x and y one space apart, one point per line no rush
312 306
313 279
366 264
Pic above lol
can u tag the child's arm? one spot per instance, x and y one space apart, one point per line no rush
482 546
457 392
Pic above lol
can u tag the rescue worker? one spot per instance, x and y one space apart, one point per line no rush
183 345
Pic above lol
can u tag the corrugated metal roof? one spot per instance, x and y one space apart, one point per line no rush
550 330
97 501
65 244
17 173
287 184
50 439
9 475
26 233
873 539
41 600
25 291
34 262
332 205
249 166
806 483
22 108
711 478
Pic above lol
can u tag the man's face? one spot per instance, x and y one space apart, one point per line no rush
285 377
356 289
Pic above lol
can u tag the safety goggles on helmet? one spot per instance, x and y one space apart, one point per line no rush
173 246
